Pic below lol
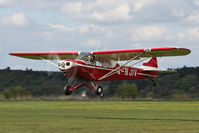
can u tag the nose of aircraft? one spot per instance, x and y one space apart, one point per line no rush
64 65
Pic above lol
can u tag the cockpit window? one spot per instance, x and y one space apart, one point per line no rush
90 59
83 56
87 57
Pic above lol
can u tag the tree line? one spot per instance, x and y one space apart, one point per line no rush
184 84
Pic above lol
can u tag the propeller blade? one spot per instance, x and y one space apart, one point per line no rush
73 73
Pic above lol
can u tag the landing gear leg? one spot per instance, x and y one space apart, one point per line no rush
98 89
68 89
94 87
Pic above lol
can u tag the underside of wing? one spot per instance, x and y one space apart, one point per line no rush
130 53
47 55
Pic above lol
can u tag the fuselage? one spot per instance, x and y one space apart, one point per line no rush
92 72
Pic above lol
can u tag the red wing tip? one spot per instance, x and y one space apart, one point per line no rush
11 53
14 53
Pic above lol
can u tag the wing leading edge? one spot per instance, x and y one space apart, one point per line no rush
130 53
47 55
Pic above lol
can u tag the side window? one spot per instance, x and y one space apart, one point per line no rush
108 63
97 63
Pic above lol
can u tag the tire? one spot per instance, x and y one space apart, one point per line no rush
99 90
67 90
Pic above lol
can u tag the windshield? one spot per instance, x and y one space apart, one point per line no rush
83 56
87 57
90 59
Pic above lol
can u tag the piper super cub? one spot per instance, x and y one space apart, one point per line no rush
88 68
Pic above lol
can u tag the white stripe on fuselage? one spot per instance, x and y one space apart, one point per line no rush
95 67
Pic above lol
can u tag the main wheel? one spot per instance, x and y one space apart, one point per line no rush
67 90
99 90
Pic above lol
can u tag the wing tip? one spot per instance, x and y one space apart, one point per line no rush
186 51
11 53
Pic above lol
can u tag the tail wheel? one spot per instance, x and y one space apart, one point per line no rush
67 90
99 90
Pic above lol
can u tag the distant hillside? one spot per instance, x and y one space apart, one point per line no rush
37 82
40 83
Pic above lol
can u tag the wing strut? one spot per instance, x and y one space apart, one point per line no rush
115 70
140 61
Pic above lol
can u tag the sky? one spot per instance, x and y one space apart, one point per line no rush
89 25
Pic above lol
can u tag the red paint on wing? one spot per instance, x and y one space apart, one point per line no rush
164 48
46 53
136 50
118 51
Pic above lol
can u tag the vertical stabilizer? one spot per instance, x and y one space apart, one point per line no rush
150 63
151 66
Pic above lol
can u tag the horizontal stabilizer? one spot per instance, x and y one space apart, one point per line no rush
146 68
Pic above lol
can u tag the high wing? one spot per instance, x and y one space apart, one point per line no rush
120 55
117 55
47 55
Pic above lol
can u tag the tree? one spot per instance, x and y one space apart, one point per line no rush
127 91
6 93
188 81
15 92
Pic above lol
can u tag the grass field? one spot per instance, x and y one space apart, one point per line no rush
98 117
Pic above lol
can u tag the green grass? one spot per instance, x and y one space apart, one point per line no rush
98 116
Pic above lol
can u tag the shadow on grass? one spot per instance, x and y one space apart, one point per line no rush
116 118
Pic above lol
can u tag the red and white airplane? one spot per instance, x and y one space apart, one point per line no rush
88 68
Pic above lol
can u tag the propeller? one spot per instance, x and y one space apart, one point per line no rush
72 74
52 63
54 60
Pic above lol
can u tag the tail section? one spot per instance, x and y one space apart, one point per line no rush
151 62
151 65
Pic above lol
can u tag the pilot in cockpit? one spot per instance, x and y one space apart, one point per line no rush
91 59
